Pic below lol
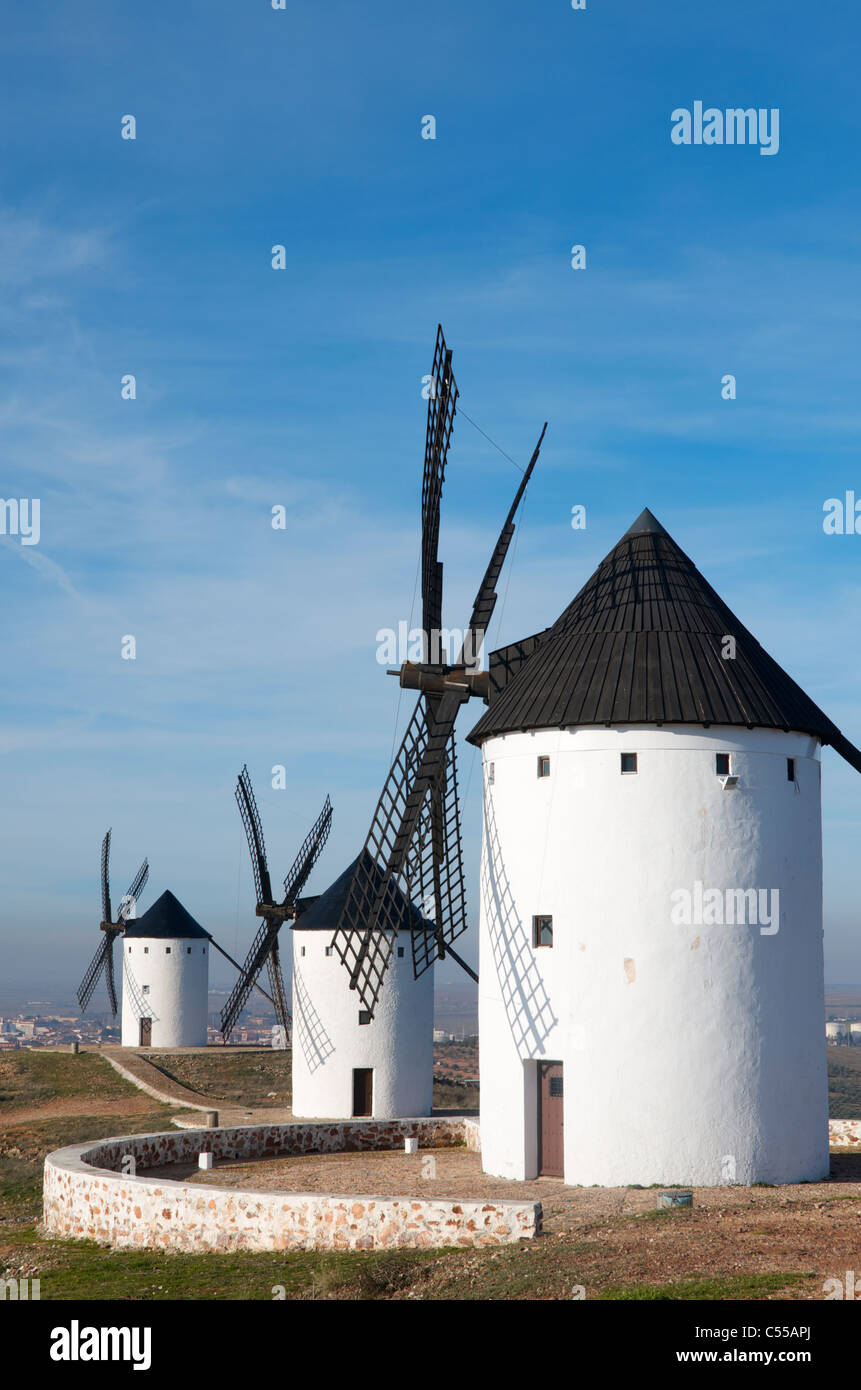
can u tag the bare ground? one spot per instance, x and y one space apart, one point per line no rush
600 1237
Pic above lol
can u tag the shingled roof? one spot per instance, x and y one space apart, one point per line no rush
642 644
166 920
324 913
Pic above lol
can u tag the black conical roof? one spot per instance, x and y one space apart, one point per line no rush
647 524
642 643
167 919
325 911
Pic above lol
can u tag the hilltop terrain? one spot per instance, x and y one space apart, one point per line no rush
737 1243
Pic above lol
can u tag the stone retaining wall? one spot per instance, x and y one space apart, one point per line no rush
844 1134
87 1196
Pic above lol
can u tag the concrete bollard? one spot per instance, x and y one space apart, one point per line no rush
205 1161
211 1119
675 1200
411 1146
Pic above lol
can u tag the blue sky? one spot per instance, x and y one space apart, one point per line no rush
302 388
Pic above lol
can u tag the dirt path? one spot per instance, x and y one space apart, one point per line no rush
141 1072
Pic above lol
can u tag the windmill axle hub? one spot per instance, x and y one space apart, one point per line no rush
274 911
439 680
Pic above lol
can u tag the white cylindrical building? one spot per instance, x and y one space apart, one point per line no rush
165 978
651 991
346 1064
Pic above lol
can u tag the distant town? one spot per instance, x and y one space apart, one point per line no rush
455 1020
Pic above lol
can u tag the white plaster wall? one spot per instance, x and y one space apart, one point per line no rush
179 990
692 1054
329 1041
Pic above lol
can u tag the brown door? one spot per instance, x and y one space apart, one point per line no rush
551 1158
146 1032
363 1090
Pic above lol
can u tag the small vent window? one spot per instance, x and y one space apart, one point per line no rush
146 950
303 950
400 952
543 766
364 1016
790 769
556 1086
491 773
542 931
145 989
328 950
629 762
722 764
167 950
188 950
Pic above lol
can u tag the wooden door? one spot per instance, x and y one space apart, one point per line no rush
363 1090
145 1032
551 1154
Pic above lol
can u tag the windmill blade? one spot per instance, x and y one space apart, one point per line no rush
109 972
368 925
485 600
254 834
434 871
264 947
308 855
442 402
261 946
276 984
136 887
106 887
95 968
367 928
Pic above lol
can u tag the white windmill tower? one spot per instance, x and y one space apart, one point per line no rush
651 961
344 1063
165 966
347 1060
165 977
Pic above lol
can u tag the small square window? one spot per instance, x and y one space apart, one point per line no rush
629 762
364 1016
167 950
145 989
302 950
542 931
146 950
188 950
491 771
130 950
328 950
722 764
790 769
400 952
543 766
